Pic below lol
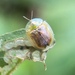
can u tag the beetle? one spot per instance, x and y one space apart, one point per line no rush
39 33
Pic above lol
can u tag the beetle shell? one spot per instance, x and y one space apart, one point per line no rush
39 33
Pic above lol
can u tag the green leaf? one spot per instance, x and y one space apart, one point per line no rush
13 50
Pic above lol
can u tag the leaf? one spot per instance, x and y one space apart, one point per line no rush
14 50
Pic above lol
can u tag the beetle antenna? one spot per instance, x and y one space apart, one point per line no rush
26 18
31 14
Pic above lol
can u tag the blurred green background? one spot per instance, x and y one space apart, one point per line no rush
60 14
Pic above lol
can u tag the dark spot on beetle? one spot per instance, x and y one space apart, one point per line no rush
54 42
42 40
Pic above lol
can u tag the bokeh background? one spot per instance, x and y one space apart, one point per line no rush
60 14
